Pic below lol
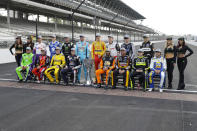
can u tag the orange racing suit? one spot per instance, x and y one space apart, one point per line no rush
106 62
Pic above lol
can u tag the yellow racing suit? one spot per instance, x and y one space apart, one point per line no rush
98 48
57 62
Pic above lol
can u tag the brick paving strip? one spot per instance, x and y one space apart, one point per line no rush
89 90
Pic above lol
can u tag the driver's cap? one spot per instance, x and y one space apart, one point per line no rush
58 48
98 34
28 48
122 49
140 50
158 50
72 49
145 36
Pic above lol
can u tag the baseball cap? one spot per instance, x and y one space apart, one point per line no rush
58 48
122 49
140 50
157 50
126 37
28 48
98 34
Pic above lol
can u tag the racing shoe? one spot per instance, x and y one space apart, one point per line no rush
65 83
77 82
151 89
106 87
161 90
98 86
125 88
20 81
113 87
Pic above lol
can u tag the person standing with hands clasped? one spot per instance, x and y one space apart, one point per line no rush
170 55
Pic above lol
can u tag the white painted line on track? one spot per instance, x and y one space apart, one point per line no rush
3 79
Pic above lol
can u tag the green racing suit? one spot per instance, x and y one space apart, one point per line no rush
27 61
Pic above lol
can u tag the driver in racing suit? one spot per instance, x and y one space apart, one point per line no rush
140 64
82 50
57 62
41 65
107 64
112 46
52 46
72 65
98 50
130 48
26 64
148 48
157 67
123 63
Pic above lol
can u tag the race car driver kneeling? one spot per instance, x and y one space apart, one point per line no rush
157 67
122 67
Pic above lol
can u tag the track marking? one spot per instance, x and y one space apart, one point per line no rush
3 79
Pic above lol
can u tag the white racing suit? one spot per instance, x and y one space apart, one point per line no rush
114 49
157 64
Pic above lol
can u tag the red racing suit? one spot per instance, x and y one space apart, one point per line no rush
41 65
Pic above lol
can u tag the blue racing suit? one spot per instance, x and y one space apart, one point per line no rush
82 50
157 64
52 47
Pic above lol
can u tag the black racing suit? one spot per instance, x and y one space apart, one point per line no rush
170 63
66 49
182 63
72 64
140 63
122 63
130 49
148 49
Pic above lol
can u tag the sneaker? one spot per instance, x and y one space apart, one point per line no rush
151 89
160 90
38 81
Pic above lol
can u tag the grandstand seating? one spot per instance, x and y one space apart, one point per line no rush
27 27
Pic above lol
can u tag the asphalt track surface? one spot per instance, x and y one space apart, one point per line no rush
23 108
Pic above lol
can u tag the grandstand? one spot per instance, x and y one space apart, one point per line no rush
72 17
